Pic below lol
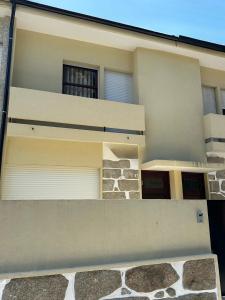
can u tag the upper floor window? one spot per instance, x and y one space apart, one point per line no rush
118 86
80 81
209 100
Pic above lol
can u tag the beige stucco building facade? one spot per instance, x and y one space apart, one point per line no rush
153 112
105 124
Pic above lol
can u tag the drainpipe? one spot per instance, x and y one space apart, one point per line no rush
4 111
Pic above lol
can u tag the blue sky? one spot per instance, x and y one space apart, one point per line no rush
202 19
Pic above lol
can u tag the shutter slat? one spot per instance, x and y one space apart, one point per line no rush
46 183
118 87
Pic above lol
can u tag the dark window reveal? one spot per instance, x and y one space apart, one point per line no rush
193 185
155 185
79 81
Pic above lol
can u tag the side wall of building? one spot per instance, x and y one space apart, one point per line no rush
4 29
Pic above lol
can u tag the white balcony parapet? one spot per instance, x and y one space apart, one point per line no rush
50 115
214 129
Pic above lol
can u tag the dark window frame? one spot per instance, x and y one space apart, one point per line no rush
93 87
190 194
156 193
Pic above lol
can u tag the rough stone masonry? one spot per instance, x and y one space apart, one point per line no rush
217 185
182 280
120 180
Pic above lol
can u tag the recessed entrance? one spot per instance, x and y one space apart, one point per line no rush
193 185
155 185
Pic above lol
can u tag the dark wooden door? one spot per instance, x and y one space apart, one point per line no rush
193 185
155 185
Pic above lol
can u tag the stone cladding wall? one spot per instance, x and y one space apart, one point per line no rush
120 179
182 280
216 180
217 185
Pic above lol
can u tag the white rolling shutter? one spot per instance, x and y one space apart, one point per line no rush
118 87
209 100
49 183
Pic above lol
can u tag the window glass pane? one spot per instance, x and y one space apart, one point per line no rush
79 91
79 81
209 100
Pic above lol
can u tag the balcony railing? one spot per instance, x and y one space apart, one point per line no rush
53 114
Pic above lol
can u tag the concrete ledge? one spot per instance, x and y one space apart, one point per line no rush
124 264
185 166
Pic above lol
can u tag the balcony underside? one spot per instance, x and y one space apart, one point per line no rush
184 166
65 134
